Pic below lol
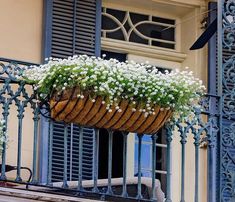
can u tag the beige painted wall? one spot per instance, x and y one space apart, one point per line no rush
197 62
21 39
21 29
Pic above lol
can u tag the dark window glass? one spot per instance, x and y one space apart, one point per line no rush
144 31
116 35
135 18
163 20
135 38
120 15
121 57
108 24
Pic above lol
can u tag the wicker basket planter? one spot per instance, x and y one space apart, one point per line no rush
70 109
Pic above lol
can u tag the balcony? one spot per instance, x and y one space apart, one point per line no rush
48 157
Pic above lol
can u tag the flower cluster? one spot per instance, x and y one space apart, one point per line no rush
113 80
3 136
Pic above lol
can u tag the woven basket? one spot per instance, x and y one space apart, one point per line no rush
70 109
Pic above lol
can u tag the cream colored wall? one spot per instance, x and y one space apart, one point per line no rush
197 62
21 39
21 29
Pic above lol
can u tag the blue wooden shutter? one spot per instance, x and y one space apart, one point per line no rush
72 27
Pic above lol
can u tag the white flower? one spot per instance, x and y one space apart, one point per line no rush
3 134
113 80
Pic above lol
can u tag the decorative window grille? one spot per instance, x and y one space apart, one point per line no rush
138 28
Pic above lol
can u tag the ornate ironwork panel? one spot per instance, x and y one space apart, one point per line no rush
226 58
16 93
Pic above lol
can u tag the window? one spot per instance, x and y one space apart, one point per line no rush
138 28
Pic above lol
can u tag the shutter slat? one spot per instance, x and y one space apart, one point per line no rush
67 29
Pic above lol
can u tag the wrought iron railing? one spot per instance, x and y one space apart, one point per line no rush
16 97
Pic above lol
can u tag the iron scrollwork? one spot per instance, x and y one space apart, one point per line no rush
227 144
18 93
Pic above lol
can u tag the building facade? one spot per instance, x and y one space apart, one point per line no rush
160 32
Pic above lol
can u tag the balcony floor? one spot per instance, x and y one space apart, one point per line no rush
16 195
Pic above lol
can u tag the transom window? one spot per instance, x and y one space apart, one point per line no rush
138 28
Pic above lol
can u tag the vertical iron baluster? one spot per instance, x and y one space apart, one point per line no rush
80 158
154 138
169 131
71 153
183 142
211 159
65 184
110 155
139 194
124 186
19 148
50 145
96 159
35 141
196 143
5 115
3 169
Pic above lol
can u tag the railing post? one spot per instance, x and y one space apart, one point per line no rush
183 141
169 133
211 159
19 149
197 144
50 146
5 115
110 155
35 141
96 160
124 186
154 138
139 194
80 158
65 184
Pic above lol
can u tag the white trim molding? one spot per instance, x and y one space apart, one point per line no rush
183 3
143 50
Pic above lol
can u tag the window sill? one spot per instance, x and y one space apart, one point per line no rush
142 50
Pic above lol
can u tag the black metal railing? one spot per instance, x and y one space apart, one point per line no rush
17 97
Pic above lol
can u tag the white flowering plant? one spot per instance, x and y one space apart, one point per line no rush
3 136
113 80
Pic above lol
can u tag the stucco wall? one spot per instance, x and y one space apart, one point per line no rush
21 39
21 29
